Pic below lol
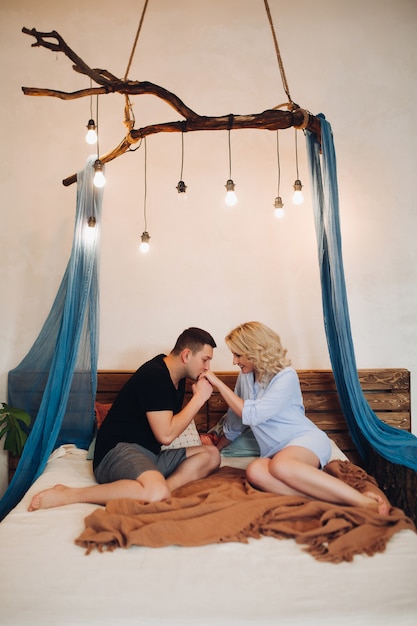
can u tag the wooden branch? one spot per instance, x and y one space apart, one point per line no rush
271 119
42 40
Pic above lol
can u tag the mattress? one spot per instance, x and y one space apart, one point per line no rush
46 579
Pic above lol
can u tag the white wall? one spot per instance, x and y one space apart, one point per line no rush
210 265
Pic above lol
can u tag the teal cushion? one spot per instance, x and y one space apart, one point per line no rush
244 445
90 453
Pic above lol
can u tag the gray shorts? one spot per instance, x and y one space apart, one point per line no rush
130 460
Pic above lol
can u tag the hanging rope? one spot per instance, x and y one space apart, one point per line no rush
129 120
132 54
279 59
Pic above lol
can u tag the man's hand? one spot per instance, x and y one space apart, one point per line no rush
203 388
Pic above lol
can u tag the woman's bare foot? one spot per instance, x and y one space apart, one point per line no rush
378 502
49 498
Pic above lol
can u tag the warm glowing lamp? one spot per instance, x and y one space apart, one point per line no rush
231 197
99 179
91 136
144 245
279 210
298 197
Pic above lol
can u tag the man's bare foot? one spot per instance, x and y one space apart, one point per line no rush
49 498
378 502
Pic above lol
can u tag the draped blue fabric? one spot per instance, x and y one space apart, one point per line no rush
56 381
394 444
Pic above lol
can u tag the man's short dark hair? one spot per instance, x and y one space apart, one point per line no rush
194 339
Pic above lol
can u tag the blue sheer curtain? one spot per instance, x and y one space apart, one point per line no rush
56 381
394 444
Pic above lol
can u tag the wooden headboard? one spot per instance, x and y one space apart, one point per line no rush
386 390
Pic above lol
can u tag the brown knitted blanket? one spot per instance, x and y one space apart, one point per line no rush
224 507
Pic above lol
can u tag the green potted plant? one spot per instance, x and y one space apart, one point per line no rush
11 421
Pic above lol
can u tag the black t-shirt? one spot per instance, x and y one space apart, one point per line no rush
149 389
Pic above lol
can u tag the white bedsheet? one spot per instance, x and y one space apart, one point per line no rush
47 580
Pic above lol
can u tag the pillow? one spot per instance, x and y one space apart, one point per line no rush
244 445
91 448
189 437
101 409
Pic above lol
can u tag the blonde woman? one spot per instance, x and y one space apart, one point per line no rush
268 398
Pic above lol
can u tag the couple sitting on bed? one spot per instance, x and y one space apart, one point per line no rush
149 413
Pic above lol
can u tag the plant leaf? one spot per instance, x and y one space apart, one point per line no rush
16 437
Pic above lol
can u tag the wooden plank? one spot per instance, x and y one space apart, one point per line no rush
112 381
325 403
370 379
394 401
328 421
106 397
321 401
384 379
336 421
398 420
328 400
343 440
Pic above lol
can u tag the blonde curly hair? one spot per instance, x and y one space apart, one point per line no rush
261 346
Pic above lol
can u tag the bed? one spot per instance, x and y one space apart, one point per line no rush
48 579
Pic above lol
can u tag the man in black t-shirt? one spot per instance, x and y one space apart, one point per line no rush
148 413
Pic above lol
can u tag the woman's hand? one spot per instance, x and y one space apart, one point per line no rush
233 400
211 377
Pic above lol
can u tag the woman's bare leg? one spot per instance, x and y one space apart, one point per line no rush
295 471
150 486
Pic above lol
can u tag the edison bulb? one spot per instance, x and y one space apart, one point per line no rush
278 204
91 136
182 190
231 197
144 245
298 197
99 179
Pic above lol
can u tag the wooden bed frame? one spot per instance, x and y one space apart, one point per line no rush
386 390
